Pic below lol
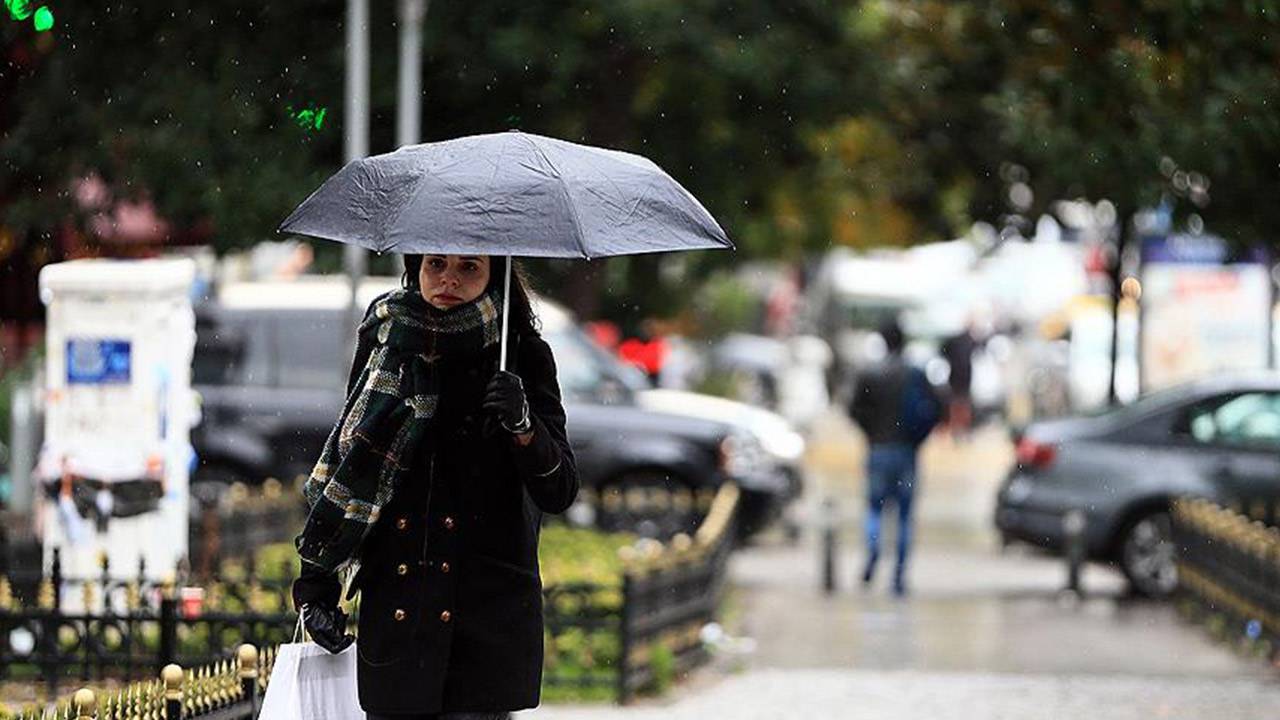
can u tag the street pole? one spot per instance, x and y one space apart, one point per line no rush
409 100
22 440
356 137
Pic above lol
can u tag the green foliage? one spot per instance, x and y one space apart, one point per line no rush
724 304
799 125
277 562
187 106
1094 99
662 661
570 555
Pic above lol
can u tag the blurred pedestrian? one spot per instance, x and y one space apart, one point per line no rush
958 351
896 407
435 480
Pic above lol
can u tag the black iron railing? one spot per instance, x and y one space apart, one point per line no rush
1229 570
617 639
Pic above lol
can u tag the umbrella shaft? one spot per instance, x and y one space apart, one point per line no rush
506 314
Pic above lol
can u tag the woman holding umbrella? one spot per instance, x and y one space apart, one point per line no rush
437 474
435 480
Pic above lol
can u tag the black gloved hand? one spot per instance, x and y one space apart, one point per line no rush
327 626
504 400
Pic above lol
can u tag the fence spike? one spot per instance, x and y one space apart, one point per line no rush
87 595
226 678
210 690
229 693
195 690
151 704
44 598
127 703
131 597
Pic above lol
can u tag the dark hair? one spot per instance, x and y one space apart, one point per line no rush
894 340
523 318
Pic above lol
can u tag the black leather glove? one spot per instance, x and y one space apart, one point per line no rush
504 401
327 626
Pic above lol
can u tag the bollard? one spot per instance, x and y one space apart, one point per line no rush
172 678
1073 525
86 704
828 545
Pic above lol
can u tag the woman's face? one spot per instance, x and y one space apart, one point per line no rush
446 281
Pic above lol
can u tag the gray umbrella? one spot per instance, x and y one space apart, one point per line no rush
509 193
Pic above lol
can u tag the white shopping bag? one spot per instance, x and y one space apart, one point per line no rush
309 683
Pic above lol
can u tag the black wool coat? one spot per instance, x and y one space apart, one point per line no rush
451 598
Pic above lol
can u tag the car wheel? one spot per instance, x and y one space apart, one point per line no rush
1148 557
649 503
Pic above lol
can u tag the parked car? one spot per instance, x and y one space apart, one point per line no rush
1216 438
271 366
767 451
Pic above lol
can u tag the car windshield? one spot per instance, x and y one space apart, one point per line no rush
586 371
280 348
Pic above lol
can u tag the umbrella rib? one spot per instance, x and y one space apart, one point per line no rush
564 190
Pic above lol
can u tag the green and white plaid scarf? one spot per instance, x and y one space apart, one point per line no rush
386 415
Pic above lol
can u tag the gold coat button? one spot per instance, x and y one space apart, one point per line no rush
446 616
399 615
402 569
444 567
402 523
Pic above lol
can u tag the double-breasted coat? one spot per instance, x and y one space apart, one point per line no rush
450 614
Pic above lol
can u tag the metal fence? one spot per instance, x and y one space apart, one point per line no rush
242 520
1229 570
225 690
615 639
670 593
57 628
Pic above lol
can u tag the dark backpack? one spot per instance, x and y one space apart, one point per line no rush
921 410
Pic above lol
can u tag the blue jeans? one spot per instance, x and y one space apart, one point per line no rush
891 475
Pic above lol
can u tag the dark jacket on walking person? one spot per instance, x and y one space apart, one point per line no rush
451 599
897 408
958 351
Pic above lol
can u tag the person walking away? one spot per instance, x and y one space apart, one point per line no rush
896 407
958 351
435 481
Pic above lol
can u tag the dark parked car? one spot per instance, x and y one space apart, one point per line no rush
591 377
1217 438
271 368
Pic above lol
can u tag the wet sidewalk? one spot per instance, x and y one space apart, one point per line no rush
984 633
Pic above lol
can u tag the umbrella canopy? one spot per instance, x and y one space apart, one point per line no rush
510 193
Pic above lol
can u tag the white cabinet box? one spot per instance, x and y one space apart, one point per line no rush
113 471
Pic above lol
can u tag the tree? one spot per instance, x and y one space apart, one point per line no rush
1137 103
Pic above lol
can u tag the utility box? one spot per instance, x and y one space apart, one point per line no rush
113 470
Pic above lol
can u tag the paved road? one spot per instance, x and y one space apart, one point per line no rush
985 633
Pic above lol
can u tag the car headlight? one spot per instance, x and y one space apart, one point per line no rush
742 455
1018 490
787 446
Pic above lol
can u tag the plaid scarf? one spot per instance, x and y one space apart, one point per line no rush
387 415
